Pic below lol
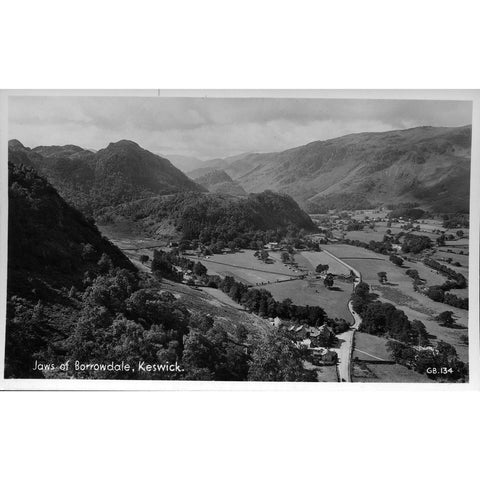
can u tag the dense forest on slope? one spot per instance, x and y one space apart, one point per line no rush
121 172
209 218
428 165
50 243
74 297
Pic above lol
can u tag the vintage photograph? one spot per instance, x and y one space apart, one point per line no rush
238 239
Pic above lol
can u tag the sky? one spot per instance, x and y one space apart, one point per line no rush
208 128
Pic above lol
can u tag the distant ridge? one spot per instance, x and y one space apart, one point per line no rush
121 172
427 165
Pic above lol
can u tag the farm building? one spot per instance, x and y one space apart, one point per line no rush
324 356
321 337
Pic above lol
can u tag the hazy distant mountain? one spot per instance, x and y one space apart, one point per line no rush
428 165
218 181
119 173
184 163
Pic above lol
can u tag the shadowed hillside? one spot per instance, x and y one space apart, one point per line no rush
50 243
119 173
74 299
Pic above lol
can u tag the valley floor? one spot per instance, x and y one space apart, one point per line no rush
299 283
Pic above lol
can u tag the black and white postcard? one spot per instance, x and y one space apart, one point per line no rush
189 240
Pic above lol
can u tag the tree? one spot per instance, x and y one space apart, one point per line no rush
362 290
382 277
199 269
328 282
416 243
460 233
144 258
276 359
446 319
411 272
396 260
285 257
264 255
320 268
436 293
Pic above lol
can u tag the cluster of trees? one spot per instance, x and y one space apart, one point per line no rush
406 338
396 260
415 243
384 319
446 319
455 220
438 294
384 247
245 222
261 302
407 212
457 280
411 243
163 265
354 225
439 363
121 316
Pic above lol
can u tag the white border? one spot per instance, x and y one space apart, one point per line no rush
474 331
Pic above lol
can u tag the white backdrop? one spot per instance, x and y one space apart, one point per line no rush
247 44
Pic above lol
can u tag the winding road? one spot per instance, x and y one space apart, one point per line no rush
345 339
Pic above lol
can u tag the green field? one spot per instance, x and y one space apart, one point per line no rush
305 292
370 347
399 291
246 268
315 258
374 373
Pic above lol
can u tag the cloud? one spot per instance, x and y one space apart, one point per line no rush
214 127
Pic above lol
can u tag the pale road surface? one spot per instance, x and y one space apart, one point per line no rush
345 339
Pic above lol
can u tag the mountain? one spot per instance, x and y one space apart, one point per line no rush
210 218
427 165
50 243
121 172
73 297
184 163
218 181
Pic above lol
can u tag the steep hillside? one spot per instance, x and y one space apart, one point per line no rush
428 165
218 181
213 217
70 302
119 173
50 244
